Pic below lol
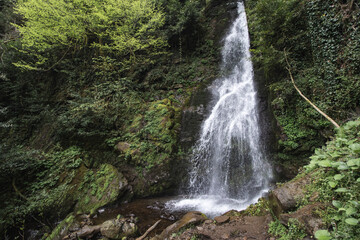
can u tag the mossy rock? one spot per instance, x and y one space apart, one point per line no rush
61 229
100 187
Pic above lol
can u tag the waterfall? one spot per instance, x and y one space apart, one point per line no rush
229 169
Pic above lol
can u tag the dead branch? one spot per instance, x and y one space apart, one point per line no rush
148 231
306 99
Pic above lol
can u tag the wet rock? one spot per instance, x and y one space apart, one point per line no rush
186 220
285 198
222 219
307 217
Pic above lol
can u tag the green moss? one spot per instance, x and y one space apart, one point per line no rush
153 143
260 208
99 189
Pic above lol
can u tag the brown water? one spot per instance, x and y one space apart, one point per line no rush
148 211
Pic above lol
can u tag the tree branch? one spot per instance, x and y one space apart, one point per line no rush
303 96
148 231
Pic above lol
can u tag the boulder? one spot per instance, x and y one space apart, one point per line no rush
286 197
186 220
112 228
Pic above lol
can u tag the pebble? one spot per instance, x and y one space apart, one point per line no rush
225 236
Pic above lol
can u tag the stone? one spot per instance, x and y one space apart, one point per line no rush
112 229
208 221
285 198
225 236
129 229
221 219
122 146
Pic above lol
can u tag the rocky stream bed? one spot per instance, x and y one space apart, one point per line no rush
150 219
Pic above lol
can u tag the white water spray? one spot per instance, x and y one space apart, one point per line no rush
229 169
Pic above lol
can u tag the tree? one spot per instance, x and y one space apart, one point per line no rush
54 29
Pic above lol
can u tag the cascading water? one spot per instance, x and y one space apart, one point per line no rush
229 169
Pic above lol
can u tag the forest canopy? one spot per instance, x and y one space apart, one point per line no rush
122 28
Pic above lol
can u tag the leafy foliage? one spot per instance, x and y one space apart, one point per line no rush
292 231
126 29
337 180
319 36
103 74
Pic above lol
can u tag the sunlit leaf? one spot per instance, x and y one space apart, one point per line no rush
336 204
332 184
351 221
341 190
350 211
322 235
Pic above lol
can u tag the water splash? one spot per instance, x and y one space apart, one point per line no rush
229 169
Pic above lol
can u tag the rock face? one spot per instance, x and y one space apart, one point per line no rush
307 217
187 219
285 198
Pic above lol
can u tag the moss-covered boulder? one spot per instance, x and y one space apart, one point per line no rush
100 187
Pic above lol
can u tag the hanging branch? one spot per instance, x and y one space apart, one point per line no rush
306 99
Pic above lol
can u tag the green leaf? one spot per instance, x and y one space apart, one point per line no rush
322 235
342 166
341 190
339 176
324 163
351 221
336 204
350 211
355 147
332 184
358 180
353 162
